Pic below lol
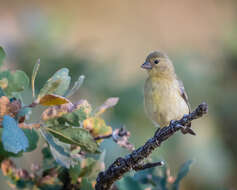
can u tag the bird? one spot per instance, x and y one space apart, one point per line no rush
165 98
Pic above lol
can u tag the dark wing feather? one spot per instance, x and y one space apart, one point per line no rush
185 97
184 94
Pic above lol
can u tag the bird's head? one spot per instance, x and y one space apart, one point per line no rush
158 64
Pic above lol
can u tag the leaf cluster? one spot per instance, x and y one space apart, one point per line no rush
69 130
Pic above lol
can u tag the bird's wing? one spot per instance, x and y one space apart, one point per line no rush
184 94
185 97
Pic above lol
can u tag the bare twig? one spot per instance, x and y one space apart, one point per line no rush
148 165
121 166
102 137
119 136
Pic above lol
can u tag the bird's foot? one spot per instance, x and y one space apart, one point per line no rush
172 122
173 126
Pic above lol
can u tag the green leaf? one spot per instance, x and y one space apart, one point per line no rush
32 138
60 151
17 82
5 75
57 84
163 179
183 171
87 170
3 153
75 117
74 173
48 88
46 153
62 159
86 184
76 136
97 167
76 86
142 176
66 79
13 138
48 160
34 73
2 55
152 177
128 183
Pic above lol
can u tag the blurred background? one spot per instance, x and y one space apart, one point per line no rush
107 41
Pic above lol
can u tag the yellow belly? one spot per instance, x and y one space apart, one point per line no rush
163 101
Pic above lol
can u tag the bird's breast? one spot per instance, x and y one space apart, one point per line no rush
163 101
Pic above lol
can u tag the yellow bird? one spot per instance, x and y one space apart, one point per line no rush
165 96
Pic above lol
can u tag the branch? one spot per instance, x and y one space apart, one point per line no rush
121 166
148 165
119 136
102 137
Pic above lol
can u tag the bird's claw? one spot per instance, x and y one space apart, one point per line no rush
172 122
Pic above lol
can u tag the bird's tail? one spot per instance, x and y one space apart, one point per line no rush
188 129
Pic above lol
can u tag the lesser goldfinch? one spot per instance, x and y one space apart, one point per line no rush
164 95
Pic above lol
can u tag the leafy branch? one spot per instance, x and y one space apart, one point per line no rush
106 179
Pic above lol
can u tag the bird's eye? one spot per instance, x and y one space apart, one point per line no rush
156 61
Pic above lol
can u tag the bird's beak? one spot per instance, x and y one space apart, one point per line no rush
146 65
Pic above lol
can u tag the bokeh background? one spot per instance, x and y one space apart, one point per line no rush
107 41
